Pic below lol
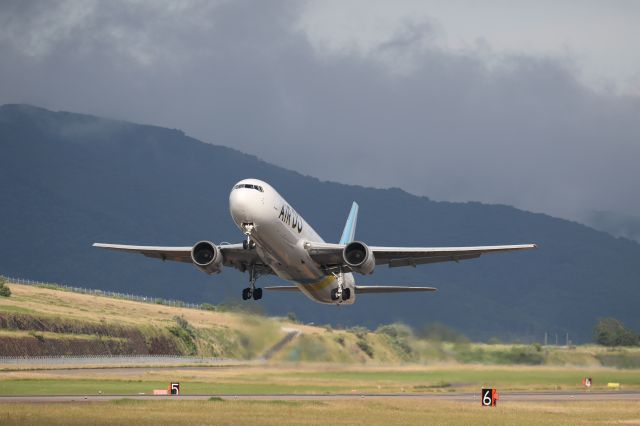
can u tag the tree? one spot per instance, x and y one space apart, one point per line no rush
4 290
611 332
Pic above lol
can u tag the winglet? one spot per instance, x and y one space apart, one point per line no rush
350 227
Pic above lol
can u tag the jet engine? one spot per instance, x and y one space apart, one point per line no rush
359 258
207 257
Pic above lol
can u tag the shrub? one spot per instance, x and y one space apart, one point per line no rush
184 332
399 335
359 331
528 355
39 337
395 330
208 307
523 355
4 290
365 347
183 323
611 332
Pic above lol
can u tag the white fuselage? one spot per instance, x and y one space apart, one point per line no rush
280 234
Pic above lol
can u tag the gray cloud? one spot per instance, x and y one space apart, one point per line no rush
518 129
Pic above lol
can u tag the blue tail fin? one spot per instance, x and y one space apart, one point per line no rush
350 227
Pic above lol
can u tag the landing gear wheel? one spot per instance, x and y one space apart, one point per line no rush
346 294
252 291
248 244
246 293
257 294
334 294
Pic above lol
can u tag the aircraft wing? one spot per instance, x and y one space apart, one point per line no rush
330 255
176 254
233 255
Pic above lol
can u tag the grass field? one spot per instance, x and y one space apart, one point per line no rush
314 379
311 379
331 412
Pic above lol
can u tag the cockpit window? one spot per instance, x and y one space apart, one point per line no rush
249 186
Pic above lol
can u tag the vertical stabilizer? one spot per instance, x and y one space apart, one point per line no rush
349 231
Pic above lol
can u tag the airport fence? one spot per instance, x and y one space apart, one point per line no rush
123 360
106 293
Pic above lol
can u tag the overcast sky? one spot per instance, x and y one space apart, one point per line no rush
534 104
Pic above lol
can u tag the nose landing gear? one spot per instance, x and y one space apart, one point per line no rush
248 244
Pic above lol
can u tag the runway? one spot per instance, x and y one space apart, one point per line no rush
453 396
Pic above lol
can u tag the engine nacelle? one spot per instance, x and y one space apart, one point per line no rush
207 257
359 257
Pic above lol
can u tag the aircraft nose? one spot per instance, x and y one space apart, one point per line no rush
240 205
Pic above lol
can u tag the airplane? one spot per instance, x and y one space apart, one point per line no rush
279 241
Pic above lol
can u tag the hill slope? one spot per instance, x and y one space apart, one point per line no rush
48 321
68 180
45 321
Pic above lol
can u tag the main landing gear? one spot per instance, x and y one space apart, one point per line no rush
252 291
255 293
340 293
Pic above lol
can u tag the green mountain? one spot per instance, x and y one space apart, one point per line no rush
67 180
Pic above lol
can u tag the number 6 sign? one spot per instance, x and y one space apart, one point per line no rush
489 397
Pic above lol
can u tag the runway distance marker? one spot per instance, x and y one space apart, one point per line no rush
489 397
174 389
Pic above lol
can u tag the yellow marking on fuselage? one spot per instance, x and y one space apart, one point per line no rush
320 284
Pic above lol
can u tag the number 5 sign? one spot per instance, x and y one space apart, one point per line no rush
489 397
174 389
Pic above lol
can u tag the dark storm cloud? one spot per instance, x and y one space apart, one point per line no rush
520 130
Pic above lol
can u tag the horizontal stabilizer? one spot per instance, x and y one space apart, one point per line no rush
364 289
360 289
